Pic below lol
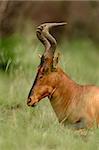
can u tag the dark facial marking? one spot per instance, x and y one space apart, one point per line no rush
39 74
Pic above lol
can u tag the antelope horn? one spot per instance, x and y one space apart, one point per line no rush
47 56
45 30
42 39
48 41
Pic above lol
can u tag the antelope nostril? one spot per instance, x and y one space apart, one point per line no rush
29 100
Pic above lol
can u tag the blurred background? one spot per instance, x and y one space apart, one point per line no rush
81 16
78 41
78 44
20 18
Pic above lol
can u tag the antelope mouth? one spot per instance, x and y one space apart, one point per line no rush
31 103
35 104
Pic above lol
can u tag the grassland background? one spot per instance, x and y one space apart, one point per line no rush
24 128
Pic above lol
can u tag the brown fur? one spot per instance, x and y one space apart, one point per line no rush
73 104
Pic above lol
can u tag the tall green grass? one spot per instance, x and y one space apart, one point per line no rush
24 128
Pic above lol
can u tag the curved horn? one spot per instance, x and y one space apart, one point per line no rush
45 30
48 40
42 39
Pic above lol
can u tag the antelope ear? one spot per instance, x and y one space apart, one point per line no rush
56 60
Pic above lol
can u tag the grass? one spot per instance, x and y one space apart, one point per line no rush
24 128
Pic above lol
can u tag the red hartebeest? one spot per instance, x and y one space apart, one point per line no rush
73 104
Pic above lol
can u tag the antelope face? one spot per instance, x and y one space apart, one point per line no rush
41 88
44 83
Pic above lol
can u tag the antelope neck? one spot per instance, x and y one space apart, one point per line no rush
61 97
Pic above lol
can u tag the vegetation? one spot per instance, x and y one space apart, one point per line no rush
24 128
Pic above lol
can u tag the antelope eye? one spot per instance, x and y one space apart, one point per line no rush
41 76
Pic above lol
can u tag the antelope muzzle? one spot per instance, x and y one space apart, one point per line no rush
32 101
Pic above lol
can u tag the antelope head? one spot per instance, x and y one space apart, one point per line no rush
47 75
